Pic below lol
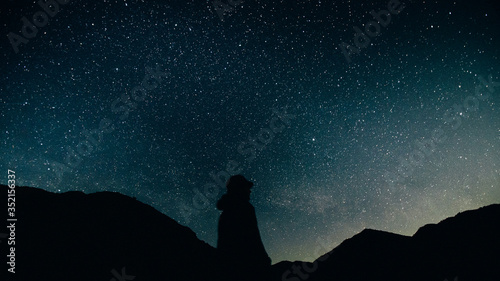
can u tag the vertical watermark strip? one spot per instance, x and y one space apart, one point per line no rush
11 220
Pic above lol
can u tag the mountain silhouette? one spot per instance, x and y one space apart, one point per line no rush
110 236
464 247
77 236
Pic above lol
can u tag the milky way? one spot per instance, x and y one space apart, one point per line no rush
345 115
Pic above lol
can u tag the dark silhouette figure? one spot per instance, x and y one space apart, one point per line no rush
239 244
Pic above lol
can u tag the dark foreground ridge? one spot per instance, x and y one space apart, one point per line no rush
109 236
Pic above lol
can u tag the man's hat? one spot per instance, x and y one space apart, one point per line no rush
237 182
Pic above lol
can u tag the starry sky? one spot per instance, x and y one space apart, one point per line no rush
160 99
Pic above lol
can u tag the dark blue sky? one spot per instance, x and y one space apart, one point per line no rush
151 98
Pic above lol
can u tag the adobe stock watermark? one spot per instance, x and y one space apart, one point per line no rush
123 106
372 29
248 149
121 277
302 272
40 19
453 119
222 8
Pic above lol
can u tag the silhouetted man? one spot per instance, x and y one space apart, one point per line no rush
239 244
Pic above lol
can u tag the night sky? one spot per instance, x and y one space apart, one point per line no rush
153 100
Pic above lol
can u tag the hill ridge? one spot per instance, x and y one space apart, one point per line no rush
98 233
